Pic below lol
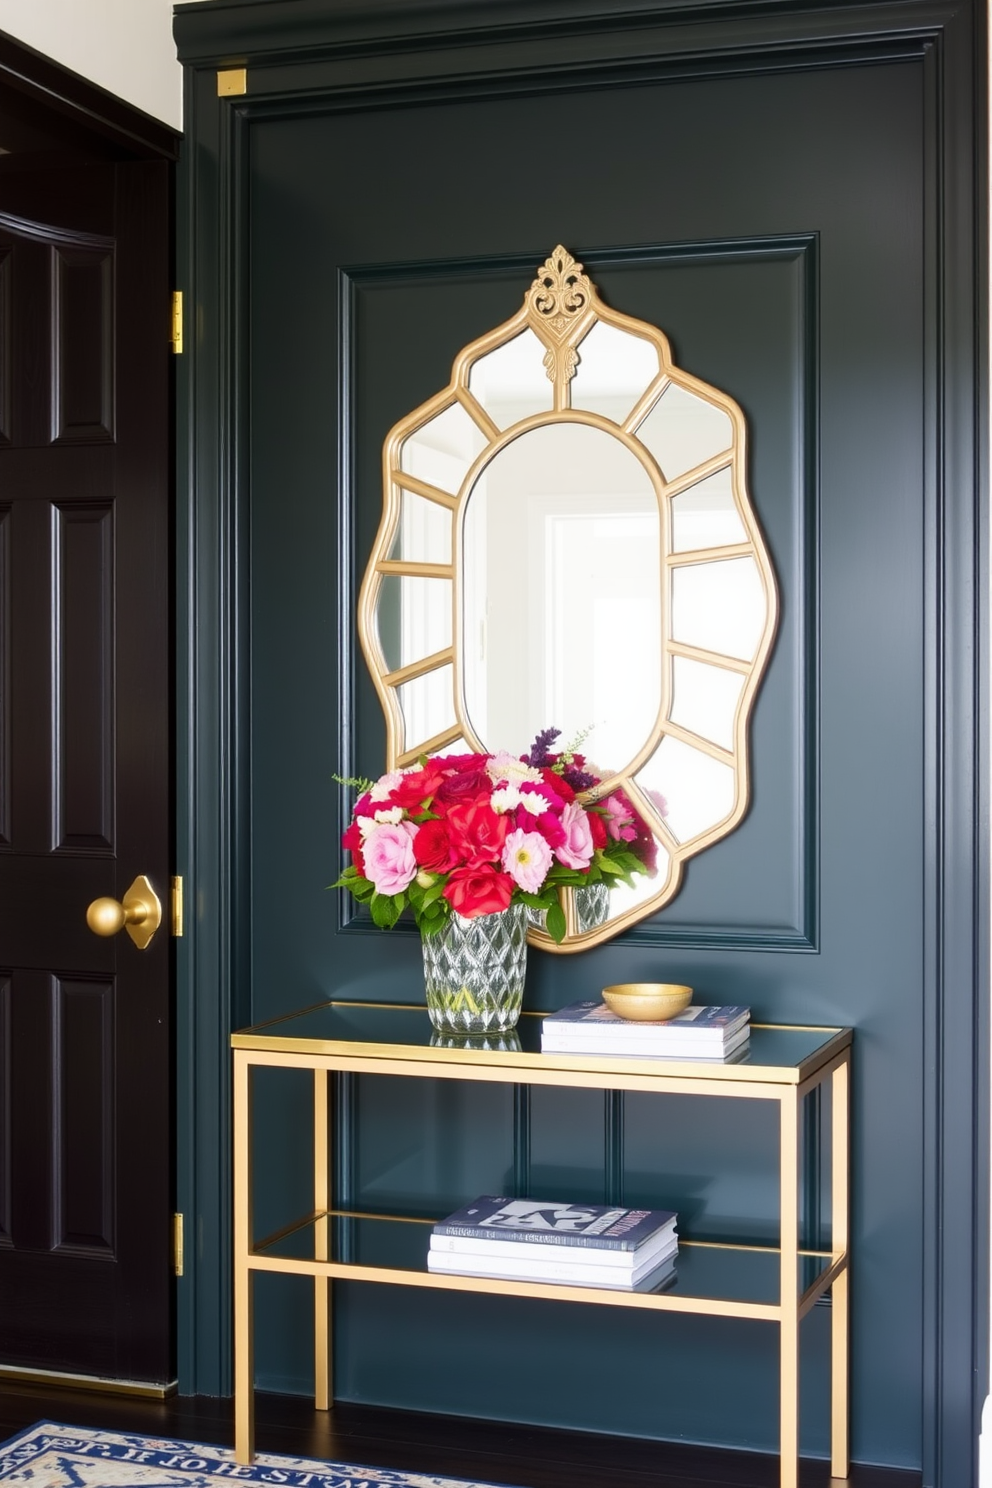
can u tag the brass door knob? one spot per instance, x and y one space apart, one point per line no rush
139 913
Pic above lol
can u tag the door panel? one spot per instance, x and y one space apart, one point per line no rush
85 1105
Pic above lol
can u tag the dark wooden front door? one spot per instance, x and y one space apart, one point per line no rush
85 720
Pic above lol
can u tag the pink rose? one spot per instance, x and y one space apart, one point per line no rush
619 817
577 849
527 858
389 861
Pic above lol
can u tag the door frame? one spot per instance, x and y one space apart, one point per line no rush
299 58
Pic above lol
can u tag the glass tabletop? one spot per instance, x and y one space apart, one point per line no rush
782 1055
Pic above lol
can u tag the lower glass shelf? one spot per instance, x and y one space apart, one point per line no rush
732 1280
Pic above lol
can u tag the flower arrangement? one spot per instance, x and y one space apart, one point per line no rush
475 833
624 822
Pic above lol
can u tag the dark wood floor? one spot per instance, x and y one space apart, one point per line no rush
523 1456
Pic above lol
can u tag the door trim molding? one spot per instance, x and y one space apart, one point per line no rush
299 59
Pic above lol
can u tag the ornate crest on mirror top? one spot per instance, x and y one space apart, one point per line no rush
567 541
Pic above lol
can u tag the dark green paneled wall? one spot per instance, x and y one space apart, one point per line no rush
351 224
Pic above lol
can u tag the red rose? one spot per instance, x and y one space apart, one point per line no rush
465 785
416 788
597 827
432 847
352 840
449 762
476 831
559 785
478 891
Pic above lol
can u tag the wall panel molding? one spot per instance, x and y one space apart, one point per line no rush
793 925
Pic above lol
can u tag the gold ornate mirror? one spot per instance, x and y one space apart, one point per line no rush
567 542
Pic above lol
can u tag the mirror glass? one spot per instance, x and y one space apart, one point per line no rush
572 515
683 430
719 607
424 531
705 515
441 451
614 369
567 542
511 382
414 618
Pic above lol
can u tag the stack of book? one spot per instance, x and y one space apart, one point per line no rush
570 1244
698 1033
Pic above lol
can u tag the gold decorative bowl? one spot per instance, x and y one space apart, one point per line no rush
647 1002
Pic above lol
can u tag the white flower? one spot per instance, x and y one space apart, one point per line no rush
534 802
505 798
393 816
506 766
385 784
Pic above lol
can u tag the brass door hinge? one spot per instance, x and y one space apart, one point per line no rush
177 322
177 905
232 82
177 1243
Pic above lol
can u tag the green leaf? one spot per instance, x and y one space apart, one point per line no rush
556 923
537 901
384 911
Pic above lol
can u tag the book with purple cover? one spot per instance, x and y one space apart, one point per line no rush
551 1222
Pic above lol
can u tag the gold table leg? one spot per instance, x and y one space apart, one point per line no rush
840 1291
322 1332
244 1370
789 1289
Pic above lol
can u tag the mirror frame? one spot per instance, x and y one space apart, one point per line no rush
561 307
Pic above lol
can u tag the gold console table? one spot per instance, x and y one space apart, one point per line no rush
778 1284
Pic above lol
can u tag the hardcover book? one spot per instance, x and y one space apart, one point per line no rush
566 1040
709 1024
551 1222
466 1250
652 1274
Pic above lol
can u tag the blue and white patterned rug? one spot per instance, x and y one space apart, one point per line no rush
51 1456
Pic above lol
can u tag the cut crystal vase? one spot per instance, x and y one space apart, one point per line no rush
474 972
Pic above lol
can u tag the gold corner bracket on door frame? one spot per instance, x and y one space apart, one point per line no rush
232 82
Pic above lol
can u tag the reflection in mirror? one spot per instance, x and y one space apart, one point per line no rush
699 789
441 451
706 516
428 706
705 698
512 382
424 531
614 370
719 607
414 618
682 430
624 897
602 570
572 514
